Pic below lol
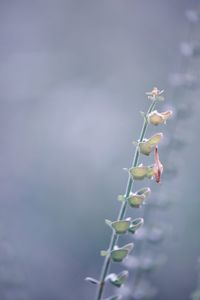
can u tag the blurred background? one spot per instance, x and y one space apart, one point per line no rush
73 77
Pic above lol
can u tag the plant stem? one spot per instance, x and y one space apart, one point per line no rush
122 212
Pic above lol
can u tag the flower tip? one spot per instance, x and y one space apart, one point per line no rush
155 94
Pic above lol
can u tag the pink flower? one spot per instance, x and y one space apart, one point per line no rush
158 167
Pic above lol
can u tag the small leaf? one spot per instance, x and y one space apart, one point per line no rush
121 198
108 222
135 143
143 115
104 253
92 280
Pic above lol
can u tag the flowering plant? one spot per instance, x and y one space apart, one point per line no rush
137 171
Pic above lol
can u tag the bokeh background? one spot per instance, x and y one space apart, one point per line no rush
73 77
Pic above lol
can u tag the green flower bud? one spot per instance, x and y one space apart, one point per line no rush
121 226
137 199
117 279
118 254
138 173
136 224
147 145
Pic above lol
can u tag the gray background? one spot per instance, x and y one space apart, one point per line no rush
72 80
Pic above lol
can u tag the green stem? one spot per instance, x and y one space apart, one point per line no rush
122 212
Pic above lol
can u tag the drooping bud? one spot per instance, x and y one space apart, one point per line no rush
158 167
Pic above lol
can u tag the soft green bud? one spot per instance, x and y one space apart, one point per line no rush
135 200
118 254
145 147
117 279
121 226
138 173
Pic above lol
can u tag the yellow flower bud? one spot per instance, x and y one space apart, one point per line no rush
157 118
